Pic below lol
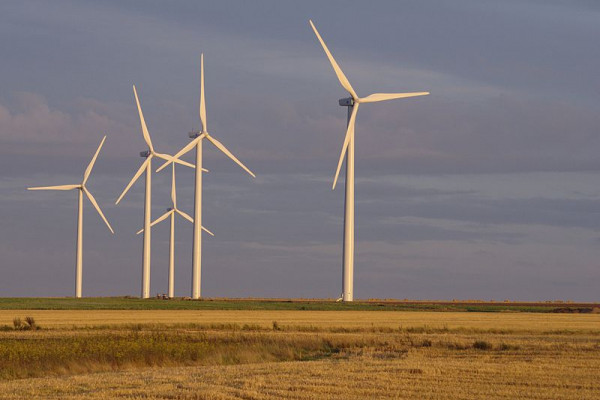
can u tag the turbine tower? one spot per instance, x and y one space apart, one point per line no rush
171 213
82 189
147 167
197 143
348 153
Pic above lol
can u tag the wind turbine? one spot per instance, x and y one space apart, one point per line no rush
82 189
348 153
147 167
197 143
171 213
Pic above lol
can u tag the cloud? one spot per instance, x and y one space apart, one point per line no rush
31 126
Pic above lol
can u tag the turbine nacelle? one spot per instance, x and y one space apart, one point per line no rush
194 134
145 153
346 102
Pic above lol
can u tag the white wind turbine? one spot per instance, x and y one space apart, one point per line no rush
348 153
147 166
82 189
171 213
197 143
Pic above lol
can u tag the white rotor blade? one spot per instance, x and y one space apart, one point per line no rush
221 147
171 159
143 121
88 170
390 96
135 177
181 152
184 215
173 190
338 71
97 207
349 133
157 220
202 101
60 187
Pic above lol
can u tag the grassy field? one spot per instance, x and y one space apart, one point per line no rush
299 354
127 303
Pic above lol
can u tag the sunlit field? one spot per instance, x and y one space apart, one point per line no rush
298 354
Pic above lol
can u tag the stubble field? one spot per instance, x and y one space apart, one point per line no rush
299 354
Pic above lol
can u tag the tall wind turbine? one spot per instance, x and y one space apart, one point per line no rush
171 213
348 153
197 143
82 189
147 167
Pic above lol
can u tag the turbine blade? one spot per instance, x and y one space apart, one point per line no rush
184 215
97 207
181 152
171 159
173 191
143 122
390 96
60 187
88 170
338 71
157 220
221 147
202 101
349 134
135 177
185 163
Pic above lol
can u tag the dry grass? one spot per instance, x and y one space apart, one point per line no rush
304 355
319 319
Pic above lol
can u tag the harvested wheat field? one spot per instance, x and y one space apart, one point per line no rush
317 319
270 354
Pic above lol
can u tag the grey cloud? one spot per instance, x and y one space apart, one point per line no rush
449 203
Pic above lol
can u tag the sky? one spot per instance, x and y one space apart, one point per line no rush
489 188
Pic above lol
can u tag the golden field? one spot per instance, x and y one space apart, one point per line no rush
244 354
321 319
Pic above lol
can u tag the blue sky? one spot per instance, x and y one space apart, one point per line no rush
488 188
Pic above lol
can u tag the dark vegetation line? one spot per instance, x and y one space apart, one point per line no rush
126 303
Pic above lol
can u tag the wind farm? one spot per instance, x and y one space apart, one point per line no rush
466 233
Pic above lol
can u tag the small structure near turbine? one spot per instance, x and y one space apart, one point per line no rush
171 213
147 167
348 153
82 189
197 143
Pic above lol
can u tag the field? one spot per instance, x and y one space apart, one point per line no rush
128 303
274 350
